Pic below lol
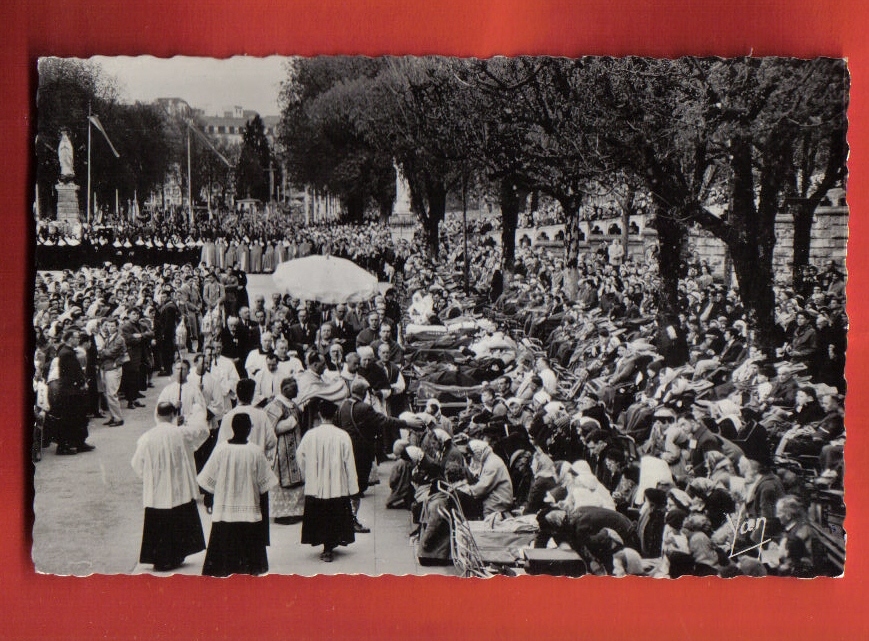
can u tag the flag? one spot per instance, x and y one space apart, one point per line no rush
205 139
95 121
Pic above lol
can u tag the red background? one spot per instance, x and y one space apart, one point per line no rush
42 607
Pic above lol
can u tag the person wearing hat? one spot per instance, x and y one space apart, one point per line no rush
239 476
163 460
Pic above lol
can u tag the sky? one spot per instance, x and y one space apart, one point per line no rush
206 83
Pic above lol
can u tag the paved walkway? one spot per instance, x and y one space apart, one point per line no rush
89 516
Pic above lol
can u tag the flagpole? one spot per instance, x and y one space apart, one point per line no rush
189 190
88 200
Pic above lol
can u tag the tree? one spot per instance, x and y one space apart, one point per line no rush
210 173
819 150
255 159
320 132
138 131
538 134
428 117
695 127
144 136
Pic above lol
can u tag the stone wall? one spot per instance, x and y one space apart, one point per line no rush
829 240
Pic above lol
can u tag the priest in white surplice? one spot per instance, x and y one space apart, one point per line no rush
164 461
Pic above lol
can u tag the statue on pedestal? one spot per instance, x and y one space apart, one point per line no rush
402 193
67 190
65 156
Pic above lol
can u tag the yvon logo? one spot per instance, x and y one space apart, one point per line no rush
743 528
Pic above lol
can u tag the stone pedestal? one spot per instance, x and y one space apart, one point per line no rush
67 203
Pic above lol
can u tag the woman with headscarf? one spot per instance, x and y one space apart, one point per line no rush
675 552
627 562
719 468
586 491
238 475
401 488
493 487
698 529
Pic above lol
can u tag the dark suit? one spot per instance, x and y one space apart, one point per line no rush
342 330
66 396
252 329
395 351
235 347
732 353
167 319
366 428
131 380
302 337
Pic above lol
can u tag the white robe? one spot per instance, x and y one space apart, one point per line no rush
237 475
268 385
164 461
261 431
325 457
190 397
226 376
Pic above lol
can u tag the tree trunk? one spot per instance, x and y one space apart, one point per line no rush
572 230
804 216
626 239
512 202
437 207
752 245
671 235
355 206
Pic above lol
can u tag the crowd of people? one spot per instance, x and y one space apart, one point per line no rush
249 240
548 399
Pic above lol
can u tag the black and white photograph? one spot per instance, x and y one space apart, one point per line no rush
439 316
